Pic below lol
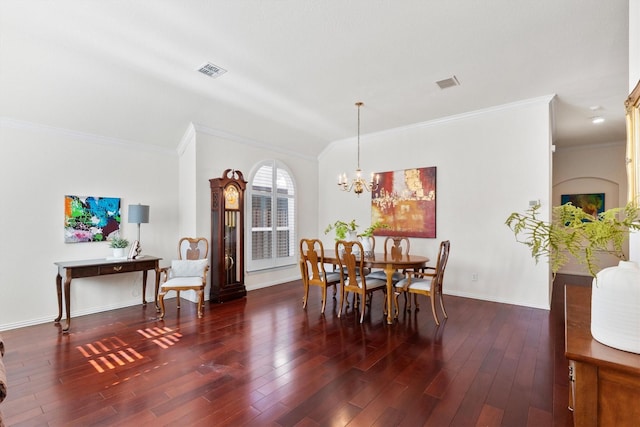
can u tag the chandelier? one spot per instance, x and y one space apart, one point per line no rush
358 184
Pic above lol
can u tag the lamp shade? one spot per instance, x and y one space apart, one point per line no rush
138 214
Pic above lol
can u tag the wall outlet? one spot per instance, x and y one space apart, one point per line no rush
474 277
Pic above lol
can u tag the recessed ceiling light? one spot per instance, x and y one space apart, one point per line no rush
597 120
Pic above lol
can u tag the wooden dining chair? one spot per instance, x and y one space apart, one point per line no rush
313 271
427 282
395 246
352 277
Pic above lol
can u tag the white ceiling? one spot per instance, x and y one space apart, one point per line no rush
126 69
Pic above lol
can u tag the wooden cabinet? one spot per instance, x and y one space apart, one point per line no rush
604 388
227 236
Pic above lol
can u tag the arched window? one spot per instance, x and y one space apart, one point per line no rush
271 229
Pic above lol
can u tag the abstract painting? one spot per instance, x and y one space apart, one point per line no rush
90 219
592 203
406 202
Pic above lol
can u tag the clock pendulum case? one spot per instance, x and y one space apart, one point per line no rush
227 236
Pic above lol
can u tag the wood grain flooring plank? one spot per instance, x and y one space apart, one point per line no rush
345 385
473 402
539 418
502 383
489 417
375 407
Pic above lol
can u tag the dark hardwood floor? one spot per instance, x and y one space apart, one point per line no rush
264 361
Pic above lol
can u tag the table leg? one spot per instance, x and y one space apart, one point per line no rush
144 287
389 270
67 302
59 290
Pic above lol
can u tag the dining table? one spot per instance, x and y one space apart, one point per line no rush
390 264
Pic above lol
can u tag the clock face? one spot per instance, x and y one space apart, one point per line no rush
231 197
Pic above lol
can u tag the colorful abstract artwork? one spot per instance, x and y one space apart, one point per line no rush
90 219
593 203
406 201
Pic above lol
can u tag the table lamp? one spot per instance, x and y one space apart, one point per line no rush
138 214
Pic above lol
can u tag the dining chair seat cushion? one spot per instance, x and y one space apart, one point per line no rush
366 270
380 274
182 282
332 277
371 284
422 284
188 267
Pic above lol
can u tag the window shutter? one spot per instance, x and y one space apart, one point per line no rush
272 233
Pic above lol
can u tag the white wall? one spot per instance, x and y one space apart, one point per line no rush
489 164
217 152
187 178
41 165
591 169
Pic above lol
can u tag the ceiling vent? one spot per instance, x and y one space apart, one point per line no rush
447 83
211 70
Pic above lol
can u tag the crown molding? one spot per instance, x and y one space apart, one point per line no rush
187 139
548 99
577 147
247 141
9 123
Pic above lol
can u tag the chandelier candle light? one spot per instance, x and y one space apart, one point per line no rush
358 184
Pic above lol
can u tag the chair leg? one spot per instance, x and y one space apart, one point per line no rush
363 303
200 303
324 298
305 285
305 297
178 299
415 301
442 306
396 294
341 301
161 304
433 308
384 310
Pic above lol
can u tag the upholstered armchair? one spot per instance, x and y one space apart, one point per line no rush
189 272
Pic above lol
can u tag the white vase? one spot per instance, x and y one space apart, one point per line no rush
367 245
352 236
615 307
118 252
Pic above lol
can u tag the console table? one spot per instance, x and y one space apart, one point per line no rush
101 267
604 388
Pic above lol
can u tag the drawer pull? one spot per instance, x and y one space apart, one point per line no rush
118 268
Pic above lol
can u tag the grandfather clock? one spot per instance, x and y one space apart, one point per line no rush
227 236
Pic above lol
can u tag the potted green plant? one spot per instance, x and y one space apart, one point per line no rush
342 229
348 231
615 314
119 245
368 232
575 232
